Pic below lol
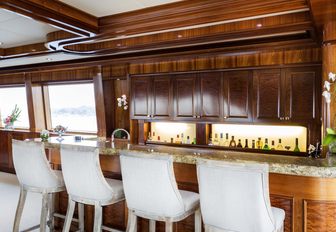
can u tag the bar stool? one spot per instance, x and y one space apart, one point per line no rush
35 175
86 184
235 197
151 191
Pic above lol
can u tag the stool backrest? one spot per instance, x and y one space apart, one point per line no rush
150 185
235 196
31 165
82 173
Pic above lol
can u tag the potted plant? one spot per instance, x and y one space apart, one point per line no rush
330 139
13 117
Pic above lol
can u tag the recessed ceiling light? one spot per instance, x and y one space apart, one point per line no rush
33 50
118 45
259 25
179 36
49 59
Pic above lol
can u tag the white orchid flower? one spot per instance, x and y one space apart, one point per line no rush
327 96
327 85
125 107
123 96
332 76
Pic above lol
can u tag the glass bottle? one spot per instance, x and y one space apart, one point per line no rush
172 140
259 143
227 142
178 140
266 147
194 141
232 142
149 138
221 140
253 144
158 138
210 140
153 137
216 141
296 149
246 144
188 140
273 145
182 138
239 144
279 147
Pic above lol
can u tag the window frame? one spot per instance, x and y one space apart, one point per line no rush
2 126
46 102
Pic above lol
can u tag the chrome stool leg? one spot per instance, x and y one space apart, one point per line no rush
19 209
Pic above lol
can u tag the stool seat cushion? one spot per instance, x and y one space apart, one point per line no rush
117 186
190 200
279 217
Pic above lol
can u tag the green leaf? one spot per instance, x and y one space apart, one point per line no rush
329 139
331 131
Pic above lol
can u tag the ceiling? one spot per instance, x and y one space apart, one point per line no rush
17 30
110 7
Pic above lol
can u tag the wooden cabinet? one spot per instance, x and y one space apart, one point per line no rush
151 97
302 86
185 97
237 96
268 95
211 99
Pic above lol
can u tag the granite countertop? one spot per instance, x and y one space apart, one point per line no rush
291 165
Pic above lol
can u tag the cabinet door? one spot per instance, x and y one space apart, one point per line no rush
301 86
162 98
268 95
140 101
210 96
185 100
4 152
238 96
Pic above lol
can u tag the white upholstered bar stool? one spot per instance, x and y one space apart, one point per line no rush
35 175
151 191
235 197
86 184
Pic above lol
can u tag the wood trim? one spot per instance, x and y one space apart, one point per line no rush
99 98
30 104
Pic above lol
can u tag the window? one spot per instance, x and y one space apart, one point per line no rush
73 106
9 97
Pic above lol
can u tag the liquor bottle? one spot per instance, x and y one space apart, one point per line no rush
188 140
232 142
273 145
266 147
210 140
253 144
246 144
296 149
182 138
279 147
171 140
227 142
153 137
259 143
194 141
149 138
221 140
178 140
239 144
216 141
158 138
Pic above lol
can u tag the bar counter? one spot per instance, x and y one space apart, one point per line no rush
281 164
301 186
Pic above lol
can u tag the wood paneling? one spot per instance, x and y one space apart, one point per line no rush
99 102
162 98
285 203
319 216
140 101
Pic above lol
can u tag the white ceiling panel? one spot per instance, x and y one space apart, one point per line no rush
102 8
16 30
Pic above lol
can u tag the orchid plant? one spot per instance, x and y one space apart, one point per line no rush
327 86
122 102
13 117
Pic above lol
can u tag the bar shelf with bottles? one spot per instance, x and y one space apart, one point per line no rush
287 140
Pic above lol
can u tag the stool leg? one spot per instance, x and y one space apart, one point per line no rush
98 218
198 221
169 226
19 209
81 216
44 212
151 225
132 222
51 221
69 215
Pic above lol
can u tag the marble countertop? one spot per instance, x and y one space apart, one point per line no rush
291 165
